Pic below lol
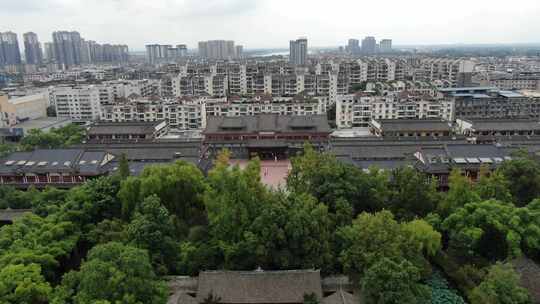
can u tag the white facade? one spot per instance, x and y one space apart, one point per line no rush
77 103
357 110
191 113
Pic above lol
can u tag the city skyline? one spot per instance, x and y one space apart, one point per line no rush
272 23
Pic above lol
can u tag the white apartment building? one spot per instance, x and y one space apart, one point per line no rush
357 110
456 72
79 103
190 113
126 88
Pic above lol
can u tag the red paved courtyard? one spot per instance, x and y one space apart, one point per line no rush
273 173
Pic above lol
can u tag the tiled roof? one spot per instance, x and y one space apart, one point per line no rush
259 287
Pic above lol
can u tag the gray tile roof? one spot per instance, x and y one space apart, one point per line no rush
405 125
54 160
505 125
530 276
259 287
267 123
103 128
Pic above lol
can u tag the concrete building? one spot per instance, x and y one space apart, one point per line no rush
490 102
157 52
10 54
385 46
48 54
80 104
369 45
411 128
68 49
298 51
353 47
217 49
106 132
239 51
32 49
358 110
456 72
19 109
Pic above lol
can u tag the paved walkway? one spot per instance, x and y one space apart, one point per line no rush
273 173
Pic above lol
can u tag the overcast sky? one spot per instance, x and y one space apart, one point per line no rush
272 23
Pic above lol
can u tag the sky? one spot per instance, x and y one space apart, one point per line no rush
272 23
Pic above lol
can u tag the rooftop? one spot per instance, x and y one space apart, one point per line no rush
102 128
397 125
268 123
259 287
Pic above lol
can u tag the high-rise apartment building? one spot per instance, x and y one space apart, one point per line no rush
298 50
217 49
385 46
239 51
157 52
10 53
68 47
353 47
32 49
369 45
48 52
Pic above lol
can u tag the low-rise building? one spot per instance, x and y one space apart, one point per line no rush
490 102
411 128
126 131
20 109
357 110
269 136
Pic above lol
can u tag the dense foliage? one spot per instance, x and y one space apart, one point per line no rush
110 240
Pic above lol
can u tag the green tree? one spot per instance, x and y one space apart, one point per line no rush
493 186
23 284
460 193
394 282
152 229
422 234
493 230
372 237
328 180
56 138
523 174
35 240
293 231
115 273
412 194
501 286
123 167
180 188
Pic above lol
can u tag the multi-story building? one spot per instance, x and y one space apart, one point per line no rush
369 45
157 52
32 49
48 52
68 48
298 50
456 72
218 49
512 81
358 110
80 104
191 112
18 109
353 47
10 54
385 46
490 102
